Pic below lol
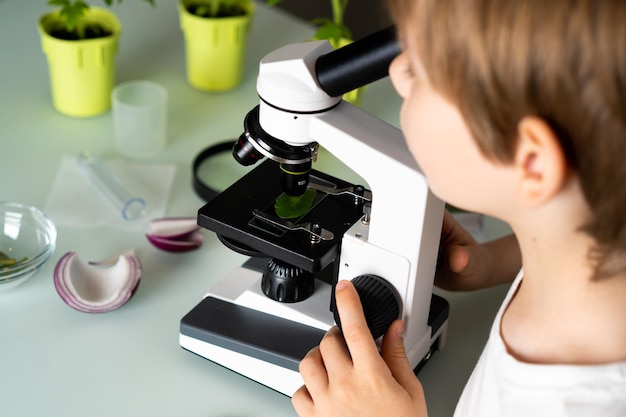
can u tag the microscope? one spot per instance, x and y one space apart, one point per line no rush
262 318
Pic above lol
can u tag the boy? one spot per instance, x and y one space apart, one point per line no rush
515 109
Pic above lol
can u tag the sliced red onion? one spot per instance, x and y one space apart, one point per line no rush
173 227
191 242
175 234
97 287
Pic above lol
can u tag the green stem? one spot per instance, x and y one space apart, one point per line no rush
339 7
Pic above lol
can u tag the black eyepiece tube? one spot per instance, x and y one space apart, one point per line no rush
357 64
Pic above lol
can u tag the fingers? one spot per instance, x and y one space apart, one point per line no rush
449 224
463 265
456 245
302 401
335 353
394 355
313 371
343 373
357 335
453 234
459 269
333 359
330 360
458 259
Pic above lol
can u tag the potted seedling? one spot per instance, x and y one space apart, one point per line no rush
80 43
333 28
338 34
216 33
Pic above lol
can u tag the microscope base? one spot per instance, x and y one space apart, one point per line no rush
238 327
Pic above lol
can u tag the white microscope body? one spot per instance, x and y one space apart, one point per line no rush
398 240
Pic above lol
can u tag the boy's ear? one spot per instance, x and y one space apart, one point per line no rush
540 162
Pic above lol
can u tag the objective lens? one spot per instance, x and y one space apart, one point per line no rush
244 152
294 178
295 161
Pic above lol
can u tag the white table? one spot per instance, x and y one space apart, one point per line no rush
55 361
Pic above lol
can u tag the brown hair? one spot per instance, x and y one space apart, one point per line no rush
561 60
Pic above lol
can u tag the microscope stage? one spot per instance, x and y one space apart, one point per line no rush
230 215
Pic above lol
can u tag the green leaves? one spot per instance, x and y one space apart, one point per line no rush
70 11
333 28
291 207
7 261
73 11
333 31
219 8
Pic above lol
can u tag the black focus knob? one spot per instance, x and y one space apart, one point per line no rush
286 283
380 304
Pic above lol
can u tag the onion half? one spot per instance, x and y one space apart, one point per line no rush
175 234
97 287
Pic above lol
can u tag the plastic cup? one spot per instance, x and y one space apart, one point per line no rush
139 118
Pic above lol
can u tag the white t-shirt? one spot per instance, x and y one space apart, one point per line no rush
501 385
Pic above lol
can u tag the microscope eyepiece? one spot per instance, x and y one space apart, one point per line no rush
357 64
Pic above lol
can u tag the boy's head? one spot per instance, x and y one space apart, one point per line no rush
563 61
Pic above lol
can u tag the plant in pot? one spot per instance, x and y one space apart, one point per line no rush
216 33
334 29
80 43
338 34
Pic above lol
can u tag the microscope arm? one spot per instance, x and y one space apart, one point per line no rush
401 241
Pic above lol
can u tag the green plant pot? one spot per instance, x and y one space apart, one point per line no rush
215 48
82 72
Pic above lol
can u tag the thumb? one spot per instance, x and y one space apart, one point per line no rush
458 258
394 355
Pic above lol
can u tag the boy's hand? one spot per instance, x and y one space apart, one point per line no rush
462 263
467 265
347 375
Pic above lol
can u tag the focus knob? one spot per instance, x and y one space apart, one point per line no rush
379 302
286 283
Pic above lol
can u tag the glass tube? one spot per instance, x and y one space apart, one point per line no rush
104 180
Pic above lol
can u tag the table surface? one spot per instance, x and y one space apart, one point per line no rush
56 361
